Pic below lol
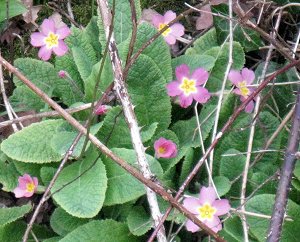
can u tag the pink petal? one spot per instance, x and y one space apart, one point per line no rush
47 26
19 192
185 101
222 206
61 49
173 88
35 182
63 32
182 71
157 20
248 75
215 224
249 108
28 194
237 91
200 75
37 39
192 204
170 39
235 77
202 95
190 226
207 195
45 53
206 18
171 150
159 143
177 30
169 16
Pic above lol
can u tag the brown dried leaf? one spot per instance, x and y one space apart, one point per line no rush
206 19
217 2
32 14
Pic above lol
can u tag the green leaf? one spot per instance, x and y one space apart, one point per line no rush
297 170
45 76
31 144
101 231
148 93
122 21
83 62
15 7
204 43
84 196
139 222
187 164
222 184
123 187
194 61
8 215
240 133
187 131
62 223
92 34
62 141
233 226
249 39
26 99
148 132
263 204
221 54
14 232
158 51
8 174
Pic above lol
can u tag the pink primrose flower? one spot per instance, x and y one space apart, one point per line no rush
50 38
187 86
27 186
102 109
207 208
171 33
241 80
165 148
62 74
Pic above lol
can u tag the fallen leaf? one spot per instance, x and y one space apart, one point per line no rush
206 19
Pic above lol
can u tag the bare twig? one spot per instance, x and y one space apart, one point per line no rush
5 100
129 114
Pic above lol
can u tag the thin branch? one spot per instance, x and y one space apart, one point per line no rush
129 114
44 115
5 100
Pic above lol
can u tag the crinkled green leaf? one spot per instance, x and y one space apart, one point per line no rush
221 54
122 21
8 215
92 33
25 98
263 204
62 223
45 76
62 141
204 43
139 222
84 196
31 144
123 187
187 164
14 232
194 61
101 230
8 174
222 184
82 61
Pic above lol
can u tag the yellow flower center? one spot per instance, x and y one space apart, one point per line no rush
161 150
30 187
51 40
166 32
243 88
206 211
188 86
